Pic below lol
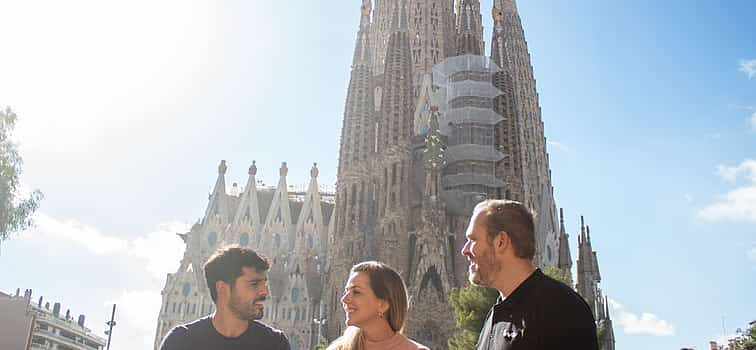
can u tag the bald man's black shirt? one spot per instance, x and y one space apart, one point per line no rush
540 314
201 335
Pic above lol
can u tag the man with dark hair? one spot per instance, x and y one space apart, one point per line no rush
533 311
238 285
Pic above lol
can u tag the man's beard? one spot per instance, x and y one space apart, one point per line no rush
486 270
245 311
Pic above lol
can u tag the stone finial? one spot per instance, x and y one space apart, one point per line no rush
284 169
314 171
253 169
222 167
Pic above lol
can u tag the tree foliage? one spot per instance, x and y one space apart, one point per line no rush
745 340
471 305
559 275
15 211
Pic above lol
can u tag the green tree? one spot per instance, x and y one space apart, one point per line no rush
322 343
559 275
745 340
15 211
471 305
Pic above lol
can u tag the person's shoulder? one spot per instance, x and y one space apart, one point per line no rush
179 335
414 345
563 301
267 330
558 292
258 326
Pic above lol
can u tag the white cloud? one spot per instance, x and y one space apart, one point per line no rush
48 228
740 203
558 145
161 249
645 323
748 67
136 318
154 254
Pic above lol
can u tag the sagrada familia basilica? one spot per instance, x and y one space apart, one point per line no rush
431 127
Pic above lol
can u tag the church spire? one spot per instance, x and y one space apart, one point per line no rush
362 47
565 258
310 230
278 221
469 28
217 208
504 6
248 212
399 17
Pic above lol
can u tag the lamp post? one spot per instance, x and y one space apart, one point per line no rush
320 322
111 324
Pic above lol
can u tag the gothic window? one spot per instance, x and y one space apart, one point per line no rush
173 308
295 295
452 248
212 238
186 288
244 239
378 94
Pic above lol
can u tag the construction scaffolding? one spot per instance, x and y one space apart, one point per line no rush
466 101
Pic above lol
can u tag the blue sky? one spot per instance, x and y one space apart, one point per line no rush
126 108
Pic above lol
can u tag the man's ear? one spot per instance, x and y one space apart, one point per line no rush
222 288
502 241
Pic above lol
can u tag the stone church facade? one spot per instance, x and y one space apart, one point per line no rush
431 126
290 228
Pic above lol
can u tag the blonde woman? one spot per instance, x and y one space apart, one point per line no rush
375 303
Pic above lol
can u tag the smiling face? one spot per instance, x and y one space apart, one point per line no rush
248 294
360 304
480 253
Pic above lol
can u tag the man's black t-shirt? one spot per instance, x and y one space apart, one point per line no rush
201 335
540 314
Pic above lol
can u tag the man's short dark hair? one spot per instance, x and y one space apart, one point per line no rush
226 265
513 218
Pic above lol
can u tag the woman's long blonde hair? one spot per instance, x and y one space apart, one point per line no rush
386 285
